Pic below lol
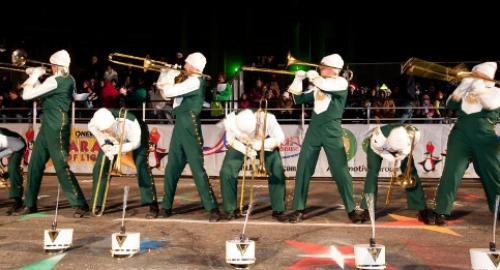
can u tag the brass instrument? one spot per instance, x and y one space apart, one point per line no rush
114 167
19 59
290 62
430 70
243 181
293 61
147 64
261 130
4 177
405 180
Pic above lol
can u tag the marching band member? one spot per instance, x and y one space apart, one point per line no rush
187 141
329 94
52 140
393 143
107 127
12 145
473 139
243 134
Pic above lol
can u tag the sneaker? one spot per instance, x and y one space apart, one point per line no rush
16 207
153 211
81 211
296 217
214 215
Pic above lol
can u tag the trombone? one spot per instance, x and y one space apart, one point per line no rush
261 130
19 61
146 64
405 180
4 177
290 62
430 70
114 168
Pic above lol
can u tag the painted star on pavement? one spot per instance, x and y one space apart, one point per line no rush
408 221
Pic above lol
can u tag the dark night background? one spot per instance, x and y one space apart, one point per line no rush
234 34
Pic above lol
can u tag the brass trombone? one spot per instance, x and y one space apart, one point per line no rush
293 61
405 180
290 62
114 167
147 64
260 133
19 59
4 177
426 69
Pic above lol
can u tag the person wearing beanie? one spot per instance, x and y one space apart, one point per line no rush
186 145
107 127
12 145
52 141
472 138
244 136
392 143
328 93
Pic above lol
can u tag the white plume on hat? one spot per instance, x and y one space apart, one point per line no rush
398 139
105 119
333 60
197 60
60 58
246 122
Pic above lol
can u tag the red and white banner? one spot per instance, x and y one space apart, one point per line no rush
429 154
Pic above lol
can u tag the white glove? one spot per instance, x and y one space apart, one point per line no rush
256 145
109 155
36 71
312 74
173 73
300 75
106 147
113 150
252 154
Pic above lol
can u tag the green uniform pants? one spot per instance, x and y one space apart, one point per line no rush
233 162
15 174
145 179
415 197
186 147
471 139
329 136
53 143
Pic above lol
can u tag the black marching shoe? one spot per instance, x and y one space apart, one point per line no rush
233 215
214 215
153 211
365 216
81 211
27 211
16 207
296 217
166 212
356 216
423 216
439 219
280 216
